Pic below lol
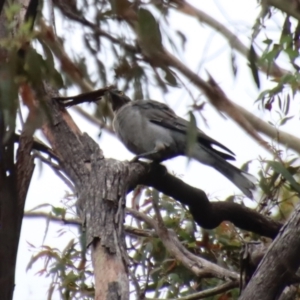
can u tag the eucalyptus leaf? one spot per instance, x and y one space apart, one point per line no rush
280 168
252 60
148 32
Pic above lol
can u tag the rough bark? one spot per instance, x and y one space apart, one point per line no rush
279 265
102 207
101 188
289 293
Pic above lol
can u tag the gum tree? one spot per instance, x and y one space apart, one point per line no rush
170 240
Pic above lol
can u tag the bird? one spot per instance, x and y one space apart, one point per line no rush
151 130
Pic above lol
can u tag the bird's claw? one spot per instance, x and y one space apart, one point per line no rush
135 159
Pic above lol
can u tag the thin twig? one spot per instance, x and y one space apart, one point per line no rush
188 9
93 119
57 170
77 222
195 264
207 293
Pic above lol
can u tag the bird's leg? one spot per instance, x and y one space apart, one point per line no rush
160 147
144 155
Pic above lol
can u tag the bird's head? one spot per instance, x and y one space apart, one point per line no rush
117 99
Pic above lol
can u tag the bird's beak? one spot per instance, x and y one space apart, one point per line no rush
113 95
117 100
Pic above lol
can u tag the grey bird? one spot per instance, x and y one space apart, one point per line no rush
152 130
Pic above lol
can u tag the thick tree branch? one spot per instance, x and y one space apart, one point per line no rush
287 6
282 137
289 293
279 265
207 214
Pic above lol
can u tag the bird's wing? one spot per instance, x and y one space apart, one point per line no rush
163 115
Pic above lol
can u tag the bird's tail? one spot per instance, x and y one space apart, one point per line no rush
243 180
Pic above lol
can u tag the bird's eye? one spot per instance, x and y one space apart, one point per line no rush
121 93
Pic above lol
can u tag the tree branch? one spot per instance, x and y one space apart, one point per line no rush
199 266
286 6
279 265
249 122
77 222
207 293
233 40
282 137
207 214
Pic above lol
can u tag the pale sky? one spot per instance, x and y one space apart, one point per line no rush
204 45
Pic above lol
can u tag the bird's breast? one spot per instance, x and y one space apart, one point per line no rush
137 133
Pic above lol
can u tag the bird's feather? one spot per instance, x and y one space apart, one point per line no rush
162 115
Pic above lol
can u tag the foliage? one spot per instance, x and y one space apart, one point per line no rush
126 41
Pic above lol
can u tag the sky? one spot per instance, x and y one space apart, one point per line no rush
205 50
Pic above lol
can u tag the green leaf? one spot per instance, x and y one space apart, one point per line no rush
34 66
287 78
287 104
273 54
171 79
233 63
252 60
12 10
148 32
292 53
101 72
280 168
284 120
268 41
38 68
174 278
182 38
59 211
